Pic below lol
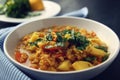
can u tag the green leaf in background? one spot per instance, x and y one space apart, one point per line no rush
15 8
18 9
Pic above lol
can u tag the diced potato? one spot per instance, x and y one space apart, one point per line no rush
79 65
96 52
34 37
64 66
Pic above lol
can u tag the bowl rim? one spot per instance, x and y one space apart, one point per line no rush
67 72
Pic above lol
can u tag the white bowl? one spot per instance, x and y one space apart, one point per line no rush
104 32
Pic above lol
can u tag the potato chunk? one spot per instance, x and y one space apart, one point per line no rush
79 65
34 37
96 52
65 66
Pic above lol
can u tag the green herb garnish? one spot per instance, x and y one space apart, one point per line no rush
76 38
49 37
59 37
35 43
102 48
16 8
79 41
90 58
105 57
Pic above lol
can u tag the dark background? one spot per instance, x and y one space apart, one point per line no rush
104 11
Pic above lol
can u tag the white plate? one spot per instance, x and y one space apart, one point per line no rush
51 9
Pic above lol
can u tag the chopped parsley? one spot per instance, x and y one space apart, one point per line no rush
49 37
102 48
35 42
59 37
90 58
76 39
105 57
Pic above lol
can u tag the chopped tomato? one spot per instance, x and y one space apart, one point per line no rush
21 57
